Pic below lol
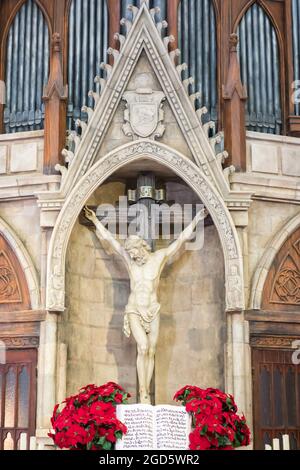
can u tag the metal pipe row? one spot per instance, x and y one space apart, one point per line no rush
296 46
260 71
198 44
27 70
88 43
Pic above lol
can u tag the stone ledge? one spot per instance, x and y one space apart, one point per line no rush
12 187
267 186
21 136
272 138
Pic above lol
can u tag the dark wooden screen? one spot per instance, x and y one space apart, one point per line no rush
17 397
276 391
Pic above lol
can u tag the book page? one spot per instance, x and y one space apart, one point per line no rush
172 427
139 421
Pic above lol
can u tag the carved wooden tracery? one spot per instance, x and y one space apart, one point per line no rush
282 287
9 283
13 286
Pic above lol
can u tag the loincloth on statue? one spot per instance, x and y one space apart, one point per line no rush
146 317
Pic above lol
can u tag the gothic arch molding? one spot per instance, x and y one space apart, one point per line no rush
267 11
262 271
97 175
25 262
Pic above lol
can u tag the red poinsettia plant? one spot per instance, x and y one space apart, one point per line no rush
217 426
88 420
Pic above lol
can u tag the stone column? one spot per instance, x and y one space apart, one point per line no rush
236 358
47 358
238 351
46 399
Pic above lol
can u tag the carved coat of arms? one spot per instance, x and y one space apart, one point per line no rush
144 113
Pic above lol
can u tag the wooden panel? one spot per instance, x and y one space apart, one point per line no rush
273 328
276 390
17 397
271 316
282 287
19 329
14 294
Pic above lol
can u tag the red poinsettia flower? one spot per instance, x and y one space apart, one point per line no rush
101 408
198 442
88 420
217 424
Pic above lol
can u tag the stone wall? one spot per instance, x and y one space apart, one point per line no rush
273 154
193 321
22 152
23 217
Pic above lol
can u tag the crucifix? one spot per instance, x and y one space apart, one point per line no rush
144 266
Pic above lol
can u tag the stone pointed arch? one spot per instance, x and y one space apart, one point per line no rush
25 263
267 259
144 36
184 168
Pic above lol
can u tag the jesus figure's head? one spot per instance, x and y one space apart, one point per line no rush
138 249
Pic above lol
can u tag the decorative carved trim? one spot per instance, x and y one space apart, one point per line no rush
297 246
144 113
287 286
26 342
274 342
9 284
107 166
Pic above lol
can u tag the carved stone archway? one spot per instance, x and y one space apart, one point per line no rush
184 168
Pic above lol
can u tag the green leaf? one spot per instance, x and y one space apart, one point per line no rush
101 441
204 430
89 445
119 434
107 445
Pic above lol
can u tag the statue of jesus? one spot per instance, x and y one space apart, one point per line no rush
142 314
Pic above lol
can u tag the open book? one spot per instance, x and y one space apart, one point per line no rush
154 427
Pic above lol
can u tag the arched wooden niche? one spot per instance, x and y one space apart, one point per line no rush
282 287
14 294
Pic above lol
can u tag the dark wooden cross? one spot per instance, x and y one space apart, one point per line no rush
140 205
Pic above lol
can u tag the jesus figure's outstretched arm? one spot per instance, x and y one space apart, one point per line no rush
186 234
104 235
